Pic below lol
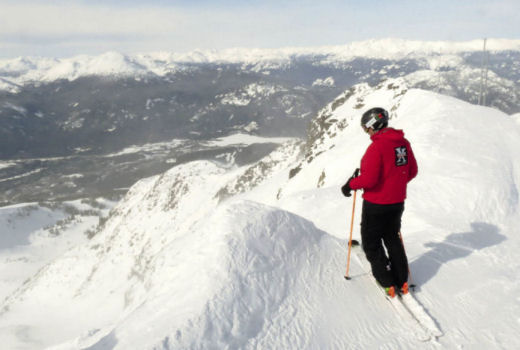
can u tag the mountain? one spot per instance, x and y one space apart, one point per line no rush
93 104
33 69
211 256
64 119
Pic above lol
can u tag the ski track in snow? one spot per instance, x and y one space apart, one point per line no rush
178 267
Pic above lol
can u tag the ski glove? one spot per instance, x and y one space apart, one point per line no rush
345 189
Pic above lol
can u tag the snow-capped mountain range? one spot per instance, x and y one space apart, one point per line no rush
211 256
16 72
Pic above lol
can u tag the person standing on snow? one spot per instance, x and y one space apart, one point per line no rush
386 168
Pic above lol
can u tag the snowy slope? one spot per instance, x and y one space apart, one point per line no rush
35 234
516 118
209 257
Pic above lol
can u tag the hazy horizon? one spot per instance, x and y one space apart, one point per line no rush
59 28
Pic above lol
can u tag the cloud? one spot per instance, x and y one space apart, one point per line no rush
59 27
36 28
58 19
59 24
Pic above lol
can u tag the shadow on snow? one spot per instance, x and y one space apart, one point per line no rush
455 246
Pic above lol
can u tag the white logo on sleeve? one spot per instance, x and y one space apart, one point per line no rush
401 156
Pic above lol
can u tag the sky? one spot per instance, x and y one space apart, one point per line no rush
59 28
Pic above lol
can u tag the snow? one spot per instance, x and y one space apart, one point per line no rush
383 48
516 118
180 266
34 235
232 99
327 82
6 164
234 139
18 109
149 147
245 139
251 126
245 95
29 173
8 86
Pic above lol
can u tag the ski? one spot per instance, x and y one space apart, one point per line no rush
408 310
416 309
420 332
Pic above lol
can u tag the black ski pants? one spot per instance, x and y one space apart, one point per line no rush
381 223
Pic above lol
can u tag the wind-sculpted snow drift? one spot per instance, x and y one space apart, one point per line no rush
253 257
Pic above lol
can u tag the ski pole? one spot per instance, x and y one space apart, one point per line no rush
350 238
409 271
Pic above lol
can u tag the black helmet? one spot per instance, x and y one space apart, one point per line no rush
375 118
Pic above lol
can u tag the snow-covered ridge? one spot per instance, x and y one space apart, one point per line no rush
21 70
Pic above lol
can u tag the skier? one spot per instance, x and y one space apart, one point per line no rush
386 168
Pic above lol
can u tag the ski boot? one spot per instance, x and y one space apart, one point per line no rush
390 291
404 288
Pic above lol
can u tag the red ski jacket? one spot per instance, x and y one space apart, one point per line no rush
386 168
